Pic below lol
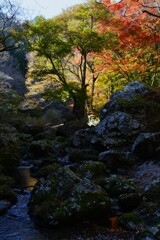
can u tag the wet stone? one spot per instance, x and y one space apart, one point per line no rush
4 206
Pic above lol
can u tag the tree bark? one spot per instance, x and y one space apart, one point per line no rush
79 107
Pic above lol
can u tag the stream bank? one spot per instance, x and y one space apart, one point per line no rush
97 174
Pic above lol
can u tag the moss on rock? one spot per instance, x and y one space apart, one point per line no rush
92 169
153 192
7 194
79 155
117 185
64 197
10 148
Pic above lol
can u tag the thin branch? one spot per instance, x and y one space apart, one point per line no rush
150 13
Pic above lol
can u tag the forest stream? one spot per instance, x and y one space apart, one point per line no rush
16 224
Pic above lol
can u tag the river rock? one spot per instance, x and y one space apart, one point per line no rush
69 128
47 134
64 198
118 185
80 155
10 148
59 145
130 220
32 129
4 206
82 138
146 145
7 194
129 201
115 159
129 92
152 193
40 148
92 170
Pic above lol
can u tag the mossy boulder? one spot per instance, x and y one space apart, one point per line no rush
6 180
86 202
152 193
60 144
49 134
146 145
40 148
117 185
129 201
70 127
82 137
130 220
115 159
32 129
64 197
80 155
10 148
92 170
4 206
130 91
7 194
145 107
45 171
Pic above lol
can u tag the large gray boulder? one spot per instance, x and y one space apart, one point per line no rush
63 198
118 121
82 137
116 130
116 127
129 92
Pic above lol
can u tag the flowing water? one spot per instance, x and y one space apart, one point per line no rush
16 224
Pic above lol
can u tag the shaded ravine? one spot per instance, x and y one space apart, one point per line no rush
16 224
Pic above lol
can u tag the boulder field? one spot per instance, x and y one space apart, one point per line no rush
96 173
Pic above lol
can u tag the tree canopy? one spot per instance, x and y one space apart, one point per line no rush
66 42
91 50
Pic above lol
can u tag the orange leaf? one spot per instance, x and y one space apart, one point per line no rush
114 223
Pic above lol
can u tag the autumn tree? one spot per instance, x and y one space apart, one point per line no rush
137 26
132 7
65 44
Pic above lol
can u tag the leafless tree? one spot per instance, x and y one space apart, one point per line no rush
8 13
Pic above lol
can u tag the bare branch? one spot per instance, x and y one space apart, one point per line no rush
150 13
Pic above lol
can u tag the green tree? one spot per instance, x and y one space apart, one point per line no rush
66 43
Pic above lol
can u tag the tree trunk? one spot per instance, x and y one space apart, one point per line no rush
79 108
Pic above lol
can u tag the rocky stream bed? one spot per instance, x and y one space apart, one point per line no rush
93 182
